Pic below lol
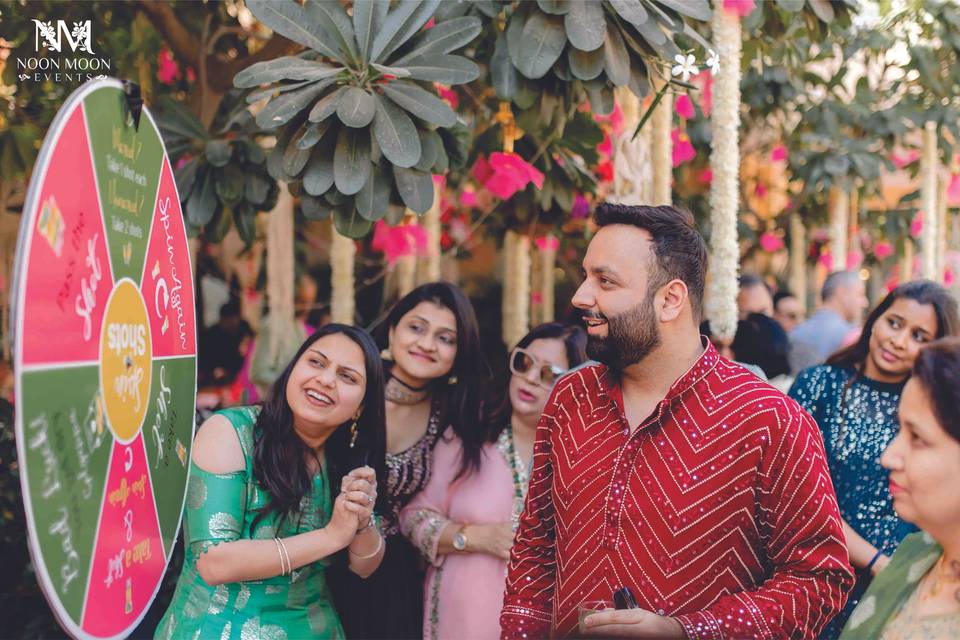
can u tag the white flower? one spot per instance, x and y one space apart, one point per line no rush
685 67
713 61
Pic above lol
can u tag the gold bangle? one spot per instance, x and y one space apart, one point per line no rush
375 551
283 568
285 556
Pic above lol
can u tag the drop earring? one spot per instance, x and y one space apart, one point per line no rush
386 355
452 380
353 432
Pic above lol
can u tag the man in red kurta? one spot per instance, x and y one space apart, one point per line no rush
671 470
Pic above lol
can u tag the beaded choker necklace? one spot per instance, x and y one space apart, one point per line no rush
399 392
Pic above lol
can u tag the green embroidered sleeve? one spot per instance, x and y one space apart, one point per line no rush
216 504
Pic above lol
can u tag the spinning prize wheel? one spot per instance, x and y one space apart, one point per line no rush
105 362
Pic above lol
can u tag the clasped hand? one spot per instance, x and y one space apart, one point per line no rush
353 508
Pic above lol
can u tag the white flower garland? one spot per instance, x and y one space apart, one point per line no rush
798 258
516 287
928 237
342 252
839 226
661 126
428 269
725 188
632 158
548 260
280 271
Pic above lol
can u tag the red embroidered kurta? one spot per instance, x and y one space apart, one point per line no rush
718 510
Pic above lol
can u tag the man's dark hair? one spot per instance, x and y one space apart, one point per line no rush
679 252
781 295
751 280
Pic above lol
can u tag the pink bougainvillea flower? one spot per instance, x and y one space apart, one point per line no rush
760 190
682 148
854 260
399 241
706 176
615 118
953 191
506 173
536 297
605 148
740 8
447 94
547 242
430 24
826 260
892 282
605 171
685 107
771 242
481 171
468 198
916 227
902 160
882 250
191 76
948 277
168 71
779 153
581 208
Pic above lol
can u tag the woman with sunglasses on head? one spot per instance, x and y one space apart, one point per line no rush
279 493
436 372
464 520
854 399
918 594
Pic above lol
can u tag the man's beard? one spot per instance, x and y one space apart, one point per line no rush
631 336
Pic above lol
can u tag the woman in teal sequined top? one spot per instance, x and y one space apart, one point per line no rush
277 494
854 399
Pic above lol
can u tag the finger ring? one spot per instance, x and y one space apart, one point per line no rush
369 499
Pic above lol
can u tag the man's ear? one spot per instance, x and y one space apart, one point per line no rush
673 297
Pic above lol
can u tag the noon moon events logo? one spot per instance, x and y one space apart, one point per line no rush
53 41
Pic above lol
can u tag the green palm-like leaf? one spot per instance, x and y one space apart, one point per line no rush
401 23
368 19
542 43
335 21
415 188
286 68
502 71
630 10
281 110
350 223
351 160
327 106
421 103
218 152
203 201
442 38
616 59
696 9
318 178
396 134
447 69
291 20
374 197
586 65
585 25
356 107
554 7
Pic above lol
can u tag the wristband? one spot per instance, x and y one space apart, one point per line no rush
874 559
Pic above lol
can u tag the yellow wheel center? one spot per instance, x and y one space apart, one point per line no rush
126 357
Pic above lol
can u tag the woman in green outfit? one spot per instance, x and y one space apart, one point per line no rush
917 595
277 494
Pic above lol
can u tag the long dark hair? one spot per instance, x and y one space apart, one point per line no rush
280 455
460 401
938 370
574 341
921 291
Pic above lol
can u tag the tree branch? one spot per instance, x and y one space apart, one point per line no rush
187 48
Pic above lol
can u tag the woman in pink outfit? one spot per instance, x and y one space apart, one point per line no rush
464 519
